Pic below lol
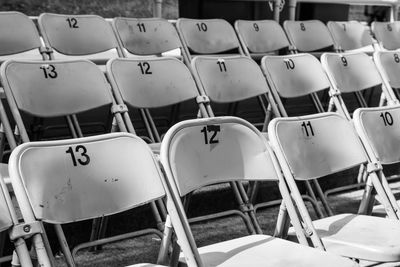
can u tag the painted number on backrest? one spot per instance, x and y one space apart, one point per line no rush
307 128
141 27
255 26
344 61
387 118
83 158
396 58
221 65
344 27
145 68
202 26
289 64
212 138
49 71
72 23
302 27
389 27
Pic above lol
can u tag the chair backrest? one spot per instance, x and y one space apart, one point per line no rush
308 36
294 75
387 34
261 36
19 37
152 82
78 179
380 129
316 145
54 88
388 63
207 36
197 153
350 35
229 79
351 72
88 36
146 36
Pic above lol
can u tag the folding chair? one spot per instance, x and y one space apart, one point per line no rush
387 34
202 152
387 63
379 131
20 38
148 37
79 37
232 80
79 179
310 36
144 85
260 37
354 73
313 146
207 36
72 90
351 35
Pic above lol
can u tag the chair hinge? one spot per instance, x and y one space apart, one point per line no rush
202 99
44 49
246 207
373 167
334 92
25 230
121 108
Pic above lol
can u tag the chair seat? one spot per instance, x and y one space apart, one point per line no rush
264 250
360 236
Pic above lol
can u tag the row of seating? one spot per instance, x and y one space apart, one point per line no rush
209 73
77 179
84 35
68 88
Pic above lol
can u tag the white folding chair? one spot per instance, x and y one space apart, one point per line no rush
387 34
78 179
207 36
351 35
79 37
354 73
311 36
260 37
388 64
197 153
148 37
378 129
314 146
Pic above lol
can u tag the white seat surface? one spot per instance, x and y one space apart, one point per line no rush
360 236
264 250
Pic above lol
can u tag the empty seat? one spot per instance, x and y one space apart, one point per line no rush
388 66
308 36
79 36
207 36
387 34
147 37
354 73
260 37
351 35
73 180
148 84
378 129
203 152
19 38
314 146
